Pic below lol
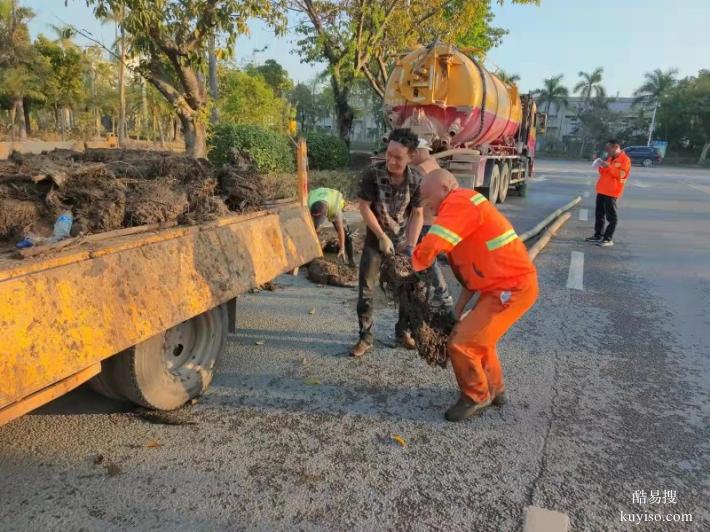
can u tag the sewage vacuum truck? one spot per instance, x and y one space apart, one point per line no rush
480 128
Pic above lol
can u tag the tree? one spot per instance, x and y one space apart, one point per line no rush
274 75
249 99
63 84
362 38
552 92
656 86
510 79
170 40
590 85
18 63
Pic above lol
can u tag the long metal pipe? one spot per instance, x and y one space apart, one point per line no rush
544 223
545 238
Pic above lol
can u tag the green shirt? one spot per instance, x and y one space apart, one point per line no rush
331 197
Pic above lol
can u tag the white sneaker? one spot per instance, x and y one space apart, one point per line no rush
605 243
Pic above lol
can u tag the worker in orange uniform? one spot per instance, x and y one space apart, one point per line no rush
613 174
487 257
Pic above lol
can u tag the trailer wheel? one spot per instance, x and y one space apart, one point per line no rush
504 183
491 191
171 368
102 383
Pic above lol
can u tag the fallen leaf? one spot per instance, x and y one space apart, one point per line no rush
259 342
312 311
153 444
399 439
98 459
311 381
113 470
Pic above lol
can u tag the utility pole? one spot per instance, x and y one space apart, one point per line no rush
653 124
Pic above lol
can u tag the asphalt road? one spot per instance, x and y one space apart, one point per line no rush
609 386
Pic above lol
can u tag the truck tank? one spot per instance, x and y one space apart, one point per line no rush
448 98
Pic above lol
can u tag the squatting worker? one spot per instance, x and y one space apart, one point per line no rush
425 164
327 204
390 204
613 174
487 257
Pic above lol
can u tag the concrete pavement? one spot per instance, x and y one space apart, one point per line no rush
609 389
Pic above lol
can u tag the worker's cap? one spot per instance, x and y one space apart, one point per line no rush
423 144
319 213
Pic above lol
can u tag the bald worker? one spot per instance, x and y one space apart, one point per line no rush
487 257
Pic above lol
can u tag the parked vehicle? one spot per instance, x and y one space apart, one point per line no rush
644 155
480 128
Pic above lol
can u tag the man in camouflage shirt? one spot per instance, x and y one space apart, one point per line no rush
390 204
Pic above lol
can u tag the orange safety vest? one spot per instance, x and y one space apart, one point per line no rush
484 251
613 178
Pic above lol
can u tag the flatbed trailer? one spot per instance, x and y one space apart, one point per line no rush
143 312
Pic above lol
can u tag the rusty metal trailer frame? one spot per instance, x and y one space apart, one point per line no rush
62 315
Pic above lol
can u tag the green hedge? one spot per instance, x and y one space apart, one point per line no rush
268 151
326 152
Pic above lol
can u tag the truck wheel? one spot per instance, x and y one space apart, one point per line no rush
648 163
103 385
174 366
504 183
491 191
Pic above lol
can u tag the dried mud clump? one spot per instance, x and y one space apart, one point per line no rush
430 330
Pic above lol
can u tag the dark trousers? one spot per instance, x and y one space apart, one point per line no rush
370 263
605 212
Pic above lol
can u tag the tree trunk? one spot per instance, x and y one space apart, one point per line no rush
214 87
195 133
704 154
343 111
161 132
19 116
122 82
26 109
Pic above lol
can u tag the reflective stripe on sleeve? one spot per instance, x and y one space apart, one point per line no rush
502 240
442 232
478 199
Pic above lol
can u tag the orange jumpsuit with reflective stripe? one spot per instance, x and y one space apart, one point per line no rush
486 256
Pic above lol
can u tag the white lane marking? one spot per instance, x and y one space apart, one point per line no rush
589 182
583 215
539 178
586 194
701 188
576 271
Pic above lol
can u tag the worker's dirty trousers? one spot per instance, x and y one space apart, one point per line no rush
472 347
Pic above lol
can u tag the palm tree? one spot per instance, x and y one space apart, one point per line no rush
64 36
510 79
553 92
590 84
656 86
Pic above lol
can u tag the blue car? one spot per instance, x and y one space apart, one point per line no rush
644 155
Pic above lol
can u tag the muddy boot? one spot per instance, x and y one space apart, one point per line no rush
465 408
406 341
360 348
500 399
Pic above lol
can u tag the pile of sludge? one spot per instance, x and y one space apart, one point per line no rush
108 189
430 329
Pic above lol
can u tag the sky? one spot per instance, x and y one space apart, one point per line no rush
625 37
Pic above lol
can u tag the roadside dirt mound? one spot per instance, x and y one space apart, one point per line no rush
95 197
157 201
323 271
245 189
430 330
107 189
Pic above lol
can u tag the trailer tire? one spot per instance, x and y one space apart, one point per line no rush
103 385
172 367
491 191
504 183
